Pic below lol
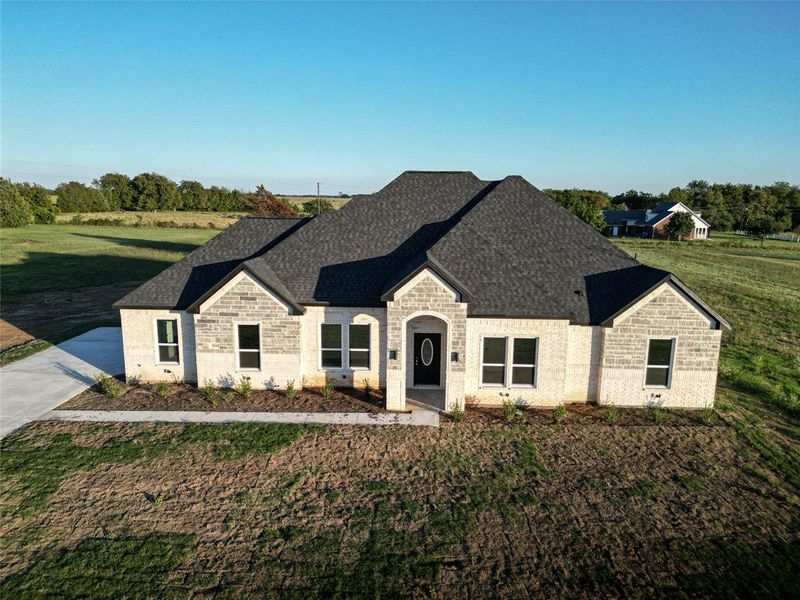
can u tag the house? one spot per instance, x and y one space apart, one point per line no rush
651 222
440 283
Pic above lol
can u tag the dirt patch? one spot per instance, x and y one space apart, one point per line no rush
47 315
188 397
471 510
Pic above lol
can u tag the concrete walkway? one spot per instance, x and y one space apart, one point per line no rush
419 417
39 383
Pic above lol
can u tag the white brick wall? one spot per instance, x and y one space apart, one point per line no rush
139 346
314 375
551 361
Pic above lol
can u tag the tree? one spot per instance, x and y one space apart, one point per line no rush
77 197
263 203
764 225
14 209
40 201
679 225
587 205
117 188
152 191
316 207
193 195
635 199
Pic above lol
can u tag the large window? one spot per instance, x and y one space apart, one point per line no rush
659 363
331 345
167 340
248 346
359 346
493 361
523 366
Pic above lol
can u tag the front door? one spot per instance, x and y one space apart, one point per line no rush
427 358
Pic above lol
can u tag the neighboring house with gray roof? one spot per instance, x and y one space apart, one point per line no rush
651 223
439 285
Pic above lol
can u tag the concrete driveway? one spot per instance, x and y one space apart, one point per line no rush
35 385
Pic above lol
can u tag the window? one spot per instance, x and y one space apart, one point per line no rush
248 346
167 340
523 365
359 346
493 361
659 363
331 346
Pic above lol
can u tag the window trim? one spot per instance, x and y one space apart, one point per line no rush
670 367
533 366
485 364
158 344
238 350
368 349
340 349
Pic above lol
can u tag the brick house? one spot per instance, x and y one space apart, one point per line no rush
651 223
439 285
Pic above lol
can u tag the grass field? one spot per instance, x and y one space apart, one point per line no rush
60 280
645 504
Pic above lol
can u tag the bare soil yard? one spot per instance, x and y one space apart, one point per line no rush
188 397
477 509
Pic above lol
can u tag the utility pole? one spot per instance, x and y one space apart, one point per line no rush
318 206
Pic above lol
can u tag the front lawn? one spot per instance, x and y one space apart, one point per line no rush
482 508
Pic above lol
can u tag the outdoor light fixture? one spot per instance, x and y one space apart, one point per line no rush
392 354
454 357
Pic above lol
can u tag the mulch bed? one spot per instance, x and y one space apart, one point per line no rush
187 397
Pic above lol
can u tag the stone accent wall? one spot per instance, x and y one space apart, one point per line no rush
314 375
247 302
425 294
665 313
139 346
551 361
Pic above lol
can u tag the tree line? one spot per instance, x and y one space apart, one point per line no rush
757 209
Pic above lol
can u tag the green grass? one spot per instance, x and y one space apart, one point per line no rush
32 469
104 568
47 258
757 289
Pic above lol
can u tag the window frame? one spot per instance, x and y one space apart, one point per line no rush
485 364
239 350
340 349
176 343
368 349
533 366
670 366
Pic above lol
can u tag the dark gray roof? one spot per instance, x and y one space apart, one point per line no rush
505 245
621 217
181 284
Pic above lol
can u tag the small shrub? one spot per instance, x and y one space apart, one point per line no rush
327 389
208 392
108 386
162 389
661 416
509 410
290 389
457 414
708 416
244 387
610 416
560 413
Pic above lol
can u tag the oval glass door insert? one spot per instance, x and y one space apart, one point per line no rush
427 352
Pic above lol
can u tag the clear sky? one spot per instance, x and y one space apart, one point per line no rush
606 96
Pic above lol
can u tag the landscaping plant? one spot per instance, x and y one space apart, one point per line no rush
290 389
162 389
327 389
509 410
108 386
244 387
560 413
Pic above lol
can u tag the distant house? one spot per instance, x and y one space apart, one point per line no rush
439 285
650 223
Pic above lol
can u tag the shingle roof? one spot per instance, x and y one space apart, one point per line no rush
511 249
183 283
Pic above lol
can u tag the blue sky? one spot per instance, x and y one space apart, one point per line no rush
606 96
